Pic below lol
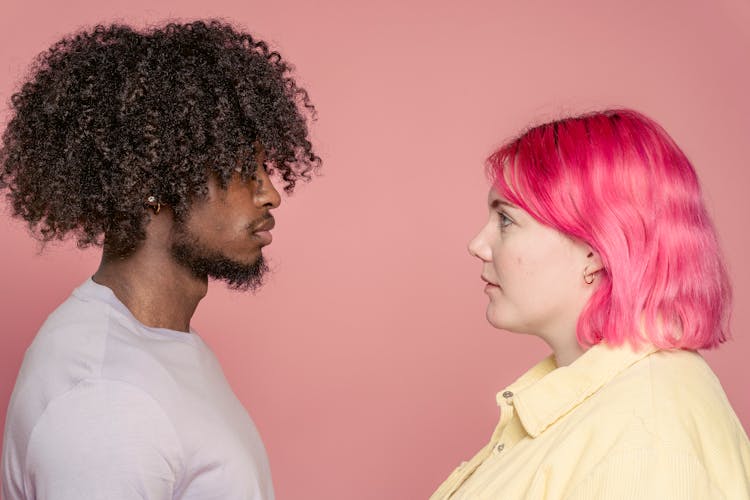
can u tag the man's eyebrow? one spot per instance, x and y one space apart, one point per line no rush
496 203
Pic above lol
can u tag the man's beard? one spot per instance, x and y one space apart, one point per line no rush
204 262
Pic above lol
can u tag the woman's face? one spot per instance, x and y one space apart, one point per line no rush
534 274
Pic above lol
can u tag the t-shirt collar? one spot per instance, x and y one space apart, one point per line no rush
91 290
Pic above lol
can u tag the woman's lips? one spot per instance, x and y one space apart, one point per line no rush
489 285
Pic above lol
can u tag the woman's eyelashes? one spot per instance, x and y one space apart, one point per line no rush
503 220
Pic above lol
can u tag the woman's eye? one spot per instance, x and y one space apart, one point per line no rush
505 221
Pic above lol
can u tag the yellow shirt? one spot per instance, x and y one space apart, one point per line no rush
615 424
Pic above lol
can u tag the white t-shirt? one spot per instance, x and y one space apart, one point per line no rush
107 408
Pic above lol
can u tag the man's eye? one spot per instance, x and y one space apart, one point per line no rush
266 169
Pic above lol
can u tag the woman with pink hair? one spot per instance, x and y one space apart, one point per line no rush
599 243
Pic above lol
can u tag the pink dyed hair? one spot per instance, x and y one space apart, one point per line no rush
616 181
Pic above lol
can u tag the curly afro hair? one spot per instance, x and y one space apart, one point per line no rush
112 116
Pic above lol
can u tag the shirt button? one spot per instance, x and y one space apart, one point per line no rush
507 394
500 447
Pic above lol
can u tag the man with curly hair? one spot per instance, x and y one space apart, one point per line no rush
158 146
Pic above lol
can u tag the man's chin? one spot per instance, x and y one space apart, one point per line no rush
242 276
204 263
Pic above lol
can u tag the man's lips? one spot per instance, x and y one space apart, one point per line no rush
262 230
266 224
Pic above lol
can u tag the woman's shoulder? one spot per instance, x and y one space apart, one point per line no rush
666 378
670 407
678 401
678 380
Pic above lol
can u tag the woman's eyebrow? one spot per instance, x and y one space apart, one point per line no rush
497 202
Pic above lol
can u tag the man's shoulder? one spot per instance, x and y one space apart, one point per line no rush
99 435
67 349
82 339
73 320
74 332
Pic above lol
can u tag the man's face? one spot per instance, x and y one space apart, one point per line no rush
223 234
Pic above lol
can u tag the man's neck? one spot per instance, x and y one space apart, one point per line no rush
158 292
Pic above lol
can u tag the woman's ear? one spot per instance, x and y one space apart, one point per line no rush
593 261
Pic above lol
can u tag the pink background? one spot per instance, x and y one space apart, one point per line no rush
366 361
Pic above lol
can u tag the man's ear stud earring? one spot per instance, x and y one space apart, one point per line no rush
152 202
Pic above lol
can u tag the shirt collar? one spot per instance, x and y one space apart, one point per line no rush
546 393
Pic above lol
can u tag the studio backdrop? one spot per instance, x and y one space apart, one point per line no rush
366 360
